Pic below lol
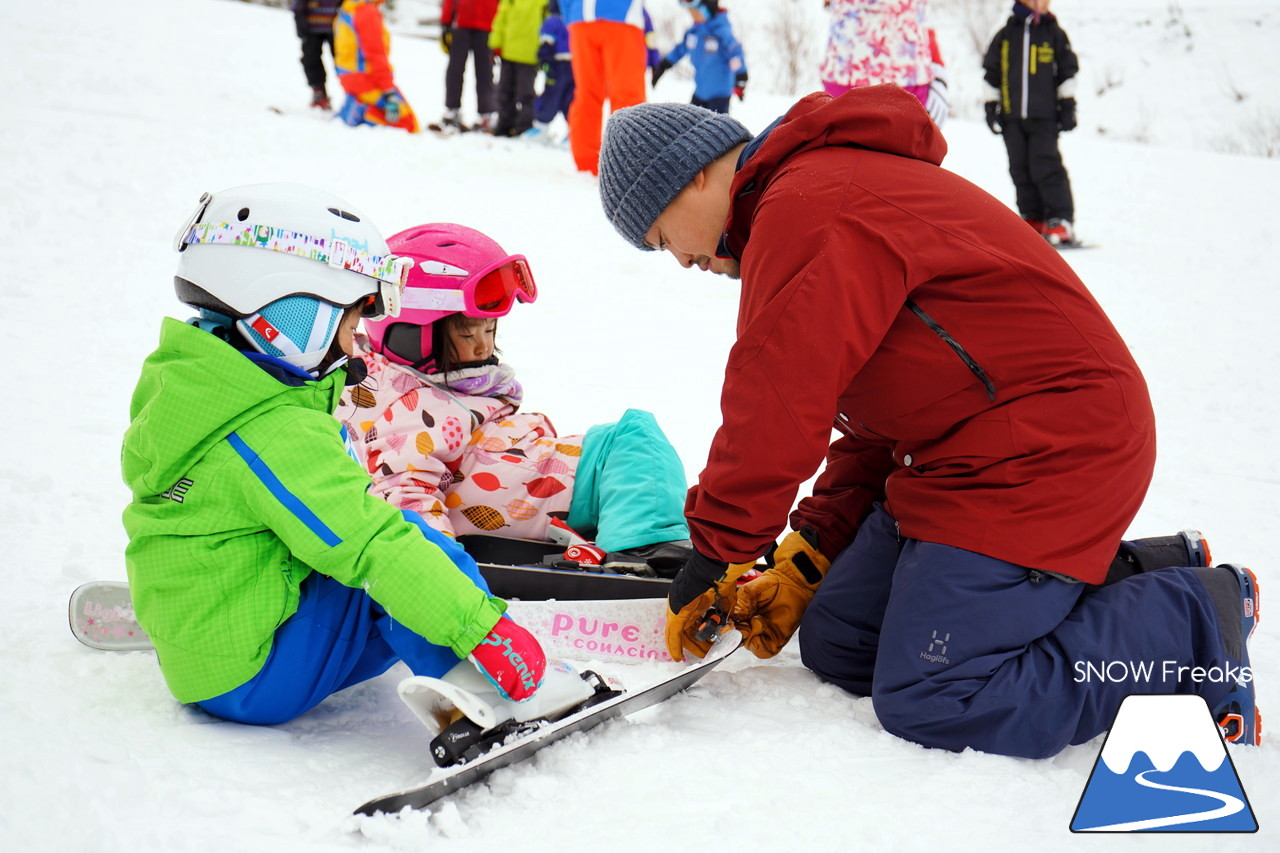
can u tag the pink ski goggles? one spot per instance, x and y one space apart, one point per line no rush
490 292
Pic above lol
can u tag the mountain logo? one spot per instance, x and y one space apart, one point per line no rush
1164 768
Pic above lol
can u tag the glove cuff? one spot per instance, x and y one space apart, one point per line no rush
701 574
704 569
800 572
698 575
798 557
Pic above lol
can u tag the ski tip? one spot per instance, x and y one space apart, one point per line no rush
101 616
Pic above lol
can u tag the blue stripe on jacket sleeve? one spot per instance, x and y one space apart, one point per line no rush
290 501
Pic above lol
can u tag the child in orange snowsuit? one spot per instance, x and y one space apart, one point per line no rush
361 45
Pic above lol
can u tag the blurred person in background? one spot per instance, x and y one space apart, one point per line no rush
314 22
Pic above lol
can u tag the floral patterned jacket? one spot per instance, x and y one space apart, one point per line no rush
877 41
467 463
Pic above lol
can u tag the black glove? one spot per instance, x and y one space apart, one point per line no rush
993 116
1067 114
446 38
701 585
739 84
659 70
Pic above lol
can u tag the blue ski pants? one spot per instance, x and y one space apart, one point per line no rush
629 487
338 637
557 93
957 649
718 104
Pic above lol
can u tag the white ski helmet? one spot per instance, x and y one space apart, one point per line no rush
282 261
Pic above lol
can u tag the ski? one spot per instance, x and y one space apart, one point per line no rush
448 130
540 582
307 112
526 739
521 568
101 617
628 629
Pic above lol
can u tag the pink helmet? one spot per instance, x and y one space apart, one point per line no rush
456 270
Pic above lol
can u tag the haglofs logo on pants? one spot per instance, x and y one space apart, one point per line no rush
1164 768
937 650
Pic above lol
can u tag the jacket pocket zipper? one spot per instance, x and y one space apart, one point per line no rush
969 360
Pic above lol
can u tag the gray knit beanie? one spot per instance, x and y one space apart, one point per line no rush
650 153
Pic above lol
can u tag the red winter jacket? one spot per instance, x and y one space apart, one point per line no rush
981 391
470 14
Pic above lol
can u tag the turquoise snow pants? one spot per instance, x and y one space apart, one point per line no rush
630 485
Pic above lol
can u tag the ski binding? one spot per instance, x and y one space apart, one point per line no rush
512 740
468 718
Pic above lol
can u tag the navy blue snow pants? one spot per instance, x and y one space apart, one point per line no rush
718 105
557 92
338 637
957 649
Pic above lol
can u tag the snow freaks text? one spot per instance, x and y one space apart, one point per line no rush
1145 672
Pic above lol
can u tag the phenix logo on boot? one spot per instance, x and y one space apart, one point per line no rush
1144 672
522 668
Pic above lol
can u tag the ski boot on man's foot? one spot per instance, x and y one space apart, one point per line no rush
320 99
488 123
1237 714
1135 556
664 559
1037 225
1059 232
1187 548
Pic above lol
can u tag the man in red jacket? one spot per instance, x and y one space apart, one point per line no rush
995 435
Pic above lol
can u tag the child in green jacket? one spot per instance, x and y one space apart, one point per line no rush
265 573
514 40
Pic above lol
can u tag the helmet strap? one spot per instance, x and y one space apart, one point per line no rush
218 325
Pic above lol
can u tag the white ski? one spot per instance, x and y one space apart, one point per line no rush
101 616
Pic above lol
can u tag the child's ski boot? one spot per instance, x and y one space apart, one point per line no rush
468 718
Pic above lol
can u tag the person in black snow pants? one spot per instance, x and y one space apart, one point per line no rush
1030 74
313 20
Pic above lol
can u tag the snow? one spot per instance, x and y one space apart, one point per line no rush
119 115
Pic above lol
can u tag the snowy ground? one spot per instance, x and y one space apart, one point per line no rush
121 114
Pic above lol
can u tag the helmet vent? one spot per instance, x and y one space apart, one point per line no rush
445 245
243 214
350 217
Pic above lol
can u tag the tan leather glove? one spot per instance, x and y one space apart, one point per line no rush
768 610
703 584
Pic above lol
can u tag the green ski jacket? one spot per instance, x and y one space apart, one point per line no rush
242 486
